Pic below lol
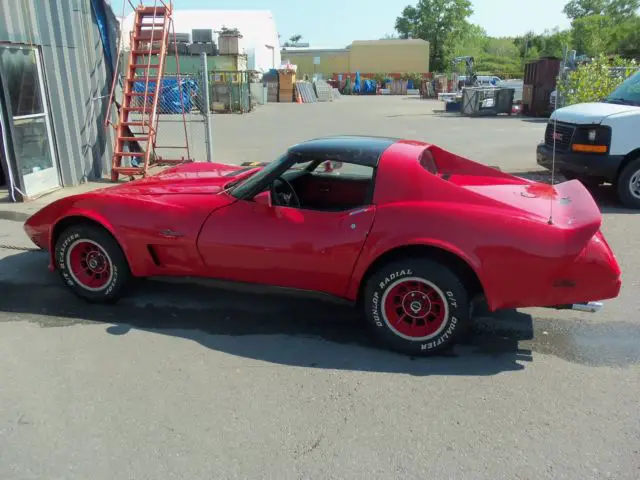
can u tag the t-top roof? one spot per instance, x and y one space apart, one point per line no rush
359 150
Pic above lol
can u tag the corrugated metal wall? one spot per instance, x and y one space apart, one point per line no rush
76 77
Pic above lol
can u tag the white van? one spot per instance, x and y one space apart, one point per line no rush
599 142
483 80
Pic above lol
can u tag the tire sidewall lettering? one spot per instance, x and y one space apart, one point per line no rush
443 337
64 268
377 311
376 308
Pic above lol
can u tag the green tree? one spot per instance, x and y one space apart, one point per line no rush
593 35
440 22
593 81
613 8
626 37
469 40
555 42
551 43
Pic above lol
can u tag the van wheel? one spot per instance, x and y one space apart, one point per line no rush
416 306
628 185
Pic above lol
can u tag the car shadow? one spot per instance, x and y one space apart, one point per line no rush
273 328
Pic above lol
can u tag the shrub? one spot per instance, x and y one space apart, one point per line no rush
593 81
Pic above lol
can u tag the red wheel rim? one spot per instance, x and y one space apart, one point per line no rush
89 265
415 309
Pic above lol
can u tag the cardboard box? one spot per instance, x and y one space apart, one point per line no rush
286 96
287 80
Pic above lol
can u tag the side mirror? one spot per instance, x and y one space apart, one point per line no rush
264 198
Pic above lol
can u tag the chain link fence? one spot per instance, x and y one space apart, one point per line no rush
231 92
182 115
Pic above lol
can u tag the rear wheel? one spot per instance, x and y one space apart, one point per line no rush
628 185
92 263
416 307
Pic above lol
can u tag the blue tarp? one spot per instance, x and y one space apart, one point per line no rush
357 83
169 100
98 8
369 87
364 86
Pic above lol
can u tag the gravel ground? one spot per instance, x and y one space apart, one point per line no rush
183 381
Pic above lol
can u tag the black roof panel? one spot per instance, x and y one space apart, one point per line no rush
359 150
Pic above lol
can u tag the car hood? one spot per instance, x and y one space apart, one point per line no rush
589 113
190 178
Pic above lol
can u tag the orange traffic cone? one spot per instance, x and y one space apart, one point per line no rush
298 97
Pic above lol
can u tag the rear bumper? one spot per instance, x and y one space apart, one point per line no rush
566 281
587 165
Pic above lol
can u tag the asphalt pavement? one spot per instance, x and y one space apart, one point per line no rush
190 381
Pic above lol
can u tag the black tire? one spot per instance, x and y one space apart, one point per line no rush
629 176
82 244
389 289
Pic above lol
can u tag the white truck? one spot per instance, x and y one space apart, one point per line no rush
598 142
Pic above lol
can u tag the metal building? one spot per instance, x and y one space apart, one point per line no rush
56 66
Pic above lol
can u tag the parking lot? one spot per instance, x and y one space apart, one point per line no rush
184 381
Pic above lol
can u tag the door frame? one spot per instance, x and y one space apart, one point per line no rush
9 131
14 183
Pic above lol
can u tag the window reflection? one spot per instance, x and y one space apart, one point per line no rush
32 145
21 73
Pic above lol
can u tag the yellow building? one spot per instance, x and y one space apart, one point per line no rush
364 56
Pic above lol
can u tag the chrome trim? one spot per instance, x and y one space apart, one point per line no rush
591 307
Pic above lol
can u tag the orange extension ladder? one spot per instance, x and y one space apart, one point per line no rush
149 39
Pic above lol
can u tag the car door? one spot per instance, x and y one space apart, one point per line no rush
251 241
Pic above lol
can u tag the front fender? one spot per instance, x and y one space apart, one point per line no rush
89 212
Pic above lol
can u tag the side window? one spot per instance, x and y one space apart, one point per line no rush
335 187
350 170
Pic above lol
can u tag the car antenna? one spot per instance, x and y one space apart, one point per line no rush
555 124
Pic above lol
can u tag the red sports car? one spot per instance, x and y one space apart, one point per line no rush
410 232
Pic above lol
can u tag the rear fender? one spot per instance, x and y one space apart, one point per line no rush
370 259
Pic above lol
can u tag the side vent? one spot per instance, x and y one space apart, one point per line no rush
154 255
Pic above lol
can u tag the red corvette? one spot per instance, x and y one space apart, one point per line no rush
410 232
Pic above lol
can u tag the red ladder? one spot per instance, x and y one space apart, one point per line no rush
149 39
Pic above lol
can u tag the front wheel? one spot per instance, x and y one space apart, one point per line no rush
91 263
628 185
416 307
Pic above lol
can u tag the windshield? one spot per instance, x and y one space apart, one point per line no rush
628 93
241 188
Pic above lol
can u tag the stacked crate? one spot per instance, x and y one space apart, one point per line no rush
202 42
287 80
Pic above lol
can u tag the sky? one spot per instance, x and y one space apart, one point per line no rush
336 23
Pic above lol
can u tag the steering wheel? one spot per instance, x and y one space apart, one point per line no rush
286 196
